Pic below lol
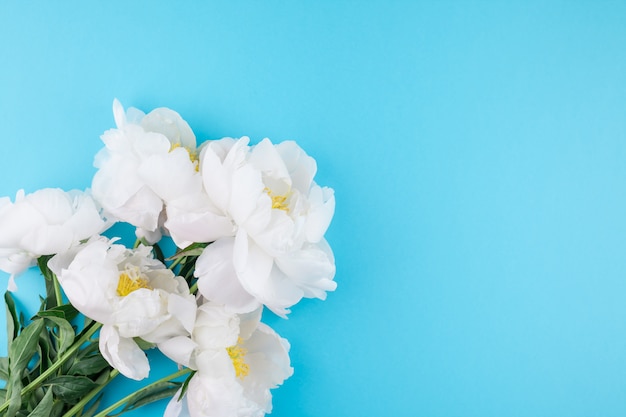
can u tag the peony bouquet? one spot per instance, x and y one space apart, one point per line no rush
247 223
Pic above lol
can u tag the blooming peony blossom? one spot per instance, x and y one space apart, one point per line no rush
46 222
131 294
238 360
147 159
268 218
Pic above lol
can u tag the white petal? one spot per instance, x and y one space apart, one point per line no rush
247 187
301 167
219 161
322 209
15 261
249 322
11 286
267 355
123 354
209 396
215 327
177 407
169 123
139 313
141 210
118 113
266 158
48 240
194 218
255 270
216 364
183 307
171 175
180 350
179 319
277 237
217 279
88 279
312 269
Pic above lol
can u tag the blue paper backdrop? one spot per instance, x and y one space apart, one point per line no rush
477 151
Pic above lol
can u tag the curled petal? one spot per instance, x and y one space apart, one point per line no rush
123 354
268 354
179 349
193 218
171 125
312 268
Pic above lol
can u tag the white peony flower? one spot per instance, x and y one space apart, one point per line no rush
46 222
238 360
268 218
131 294
146 160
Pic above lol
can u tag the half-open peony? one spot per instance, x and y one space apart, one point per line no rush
46 222
267 217
238 360
131 294
147 159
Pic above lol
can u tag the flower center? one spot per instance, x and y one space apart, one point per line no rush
193 155
237 355
278 201
131 280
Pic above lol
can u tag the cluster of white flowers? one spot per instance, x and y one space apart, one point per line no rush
257 219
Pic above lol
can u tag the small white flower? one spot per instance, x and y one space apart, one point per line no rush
46 222
238 360
131 294
146 160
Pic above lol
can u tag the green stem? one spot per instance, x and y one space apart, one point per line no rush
82 403
137 393
87 333
176 262
194 288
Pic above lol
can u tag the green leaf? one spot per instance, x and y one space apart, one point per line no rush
3 395
71 389
64 335
166 389
24 347
13 324
195 249
14 387
42 262
183 388
44 407
21 350
66 311
46 351
50 300
89 350
158 253
88 366
4 368
57 409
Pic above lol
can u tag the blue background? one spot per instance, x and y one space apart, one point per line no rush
477 151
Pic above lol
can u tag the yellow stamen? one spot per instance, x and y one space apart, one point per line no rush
131 280
237 355
278 201
193 155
